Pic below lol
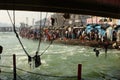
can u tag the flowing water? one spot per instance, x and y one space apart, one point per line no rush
59 62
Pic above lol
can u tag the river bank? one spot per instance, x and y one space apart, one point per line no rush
85 43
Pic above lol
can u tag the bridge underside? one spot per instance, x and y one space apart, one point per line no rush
105 8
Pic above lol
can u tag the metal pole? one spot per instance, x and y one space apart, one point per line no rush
79 71
0 72
14 66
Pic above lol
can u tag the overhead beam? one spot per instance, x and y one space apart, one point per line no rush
105 8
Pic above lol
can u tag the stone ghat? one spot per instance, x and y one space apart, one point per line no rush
85 43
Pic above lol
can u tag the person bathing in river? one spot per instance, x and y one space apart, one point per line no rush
1 48
96 52
106 44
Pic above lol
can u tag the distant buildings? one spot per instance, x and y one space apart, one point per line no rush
43 23
65 19
6 29
60 20
102 20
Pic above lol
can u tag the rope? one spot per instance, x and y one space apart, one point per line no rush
19 77
19 38
25 55
46 49
46 74
40 73
11 55
15 31
52 40
6 66
7 72
40 35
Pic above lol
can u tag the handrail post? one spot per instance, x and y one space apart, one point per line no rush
14 66
79 71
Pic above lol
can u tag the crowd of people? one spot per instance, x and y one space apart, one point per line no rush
68 33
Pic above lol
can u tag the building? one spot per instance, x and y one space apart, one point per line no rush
43 23
102 20
93 20
65 19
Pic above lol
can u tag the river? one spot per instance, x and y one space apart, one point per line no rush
59 62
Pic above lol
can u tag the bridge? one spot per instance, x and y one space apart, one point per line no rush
105 8
7 29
